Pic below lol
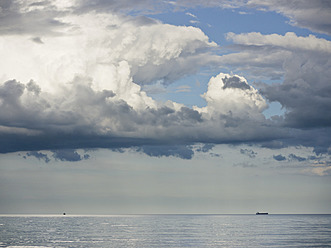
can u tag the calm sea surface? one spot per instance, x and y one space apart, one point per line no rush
166 231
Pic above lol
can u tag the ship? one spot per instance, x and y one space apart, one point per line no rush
258 213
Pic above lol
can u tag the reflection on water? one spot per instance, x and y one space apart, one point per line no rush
166 231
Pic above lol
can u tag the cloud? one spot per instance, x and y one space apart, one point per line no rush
279 157
180 151
232 4
235 82
305 61
250 153
173 51
266 56
291 157
69 155
183 88
33 87
191 15
84 6
78 96
141 52
84 86
320 168
297 158
205 148
314 15
231 95
45 17
194 22
78 116
39 156
318 138
305 92
37 40
290 41
303 64
156 88
245 165
30 17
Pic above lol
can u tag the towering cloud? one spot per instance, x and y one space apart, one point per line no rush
73 77
117 53
232 95
79 85
77 116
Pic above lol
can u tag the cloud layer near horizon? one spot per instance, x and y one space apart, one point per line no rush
73 78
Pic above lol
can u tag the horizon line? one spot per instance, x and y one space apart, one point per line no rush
65 214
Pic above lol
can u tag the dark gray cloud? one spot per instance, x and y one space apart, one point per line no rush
11 91
312 158
37 40
248 152
212 154
314 15
33 87
205 148
86 156
152 6
39 156
69 155
180 151
305 92
66 155
235 82
292 157
32 120
296 158
39 18
113 5
279 157
317 138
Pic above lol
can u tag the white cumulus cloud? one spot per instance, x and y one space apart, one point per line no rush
228 94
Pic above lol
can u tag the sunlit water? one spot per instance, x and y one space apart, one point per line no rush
166 231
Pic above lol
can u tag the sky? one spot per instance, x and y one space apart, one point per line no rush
150 107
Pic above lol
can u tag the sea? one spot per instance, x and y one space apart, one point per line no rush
178 230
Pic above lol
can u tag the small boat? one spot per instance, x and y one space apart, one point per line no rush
258 213
64 213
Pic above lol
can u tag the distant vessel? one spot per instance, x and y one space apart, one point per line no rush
64 213
258 213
